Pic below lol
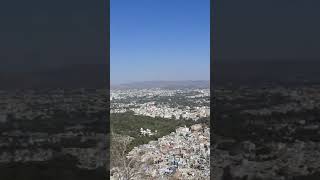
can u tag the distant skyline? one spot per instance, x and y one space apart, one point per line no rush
159 40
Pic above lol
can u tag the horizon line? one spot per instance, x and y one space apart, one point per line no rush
141 81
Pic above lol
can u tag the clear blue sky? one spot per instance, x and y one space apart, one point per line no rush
159 40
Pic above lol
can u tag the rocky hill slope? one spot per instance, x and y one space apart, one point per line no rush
183 154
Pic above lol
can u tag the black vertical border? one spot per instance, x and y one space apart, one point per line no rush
107 24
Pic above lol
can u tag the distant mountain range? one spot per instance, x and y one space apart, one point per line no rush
73 76
164 84
224 72
250 72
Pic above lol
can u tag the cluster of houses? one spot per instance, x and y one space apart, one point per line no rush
165 111
298 100
184 154
31 143
139 93
31 104
147 132
130 100
89 157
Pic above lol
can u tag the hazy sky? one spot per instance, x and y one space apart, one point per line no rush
159 40
267 29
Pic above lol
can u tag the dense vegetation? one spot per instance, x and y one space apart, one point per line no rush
129 124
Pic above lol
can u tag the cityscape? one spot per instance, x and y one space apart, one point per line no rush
160 90
61 130
188 103
266 132
175 140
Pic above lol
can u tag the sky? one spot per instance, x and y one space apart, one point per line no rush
159 40
266 30
38 33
